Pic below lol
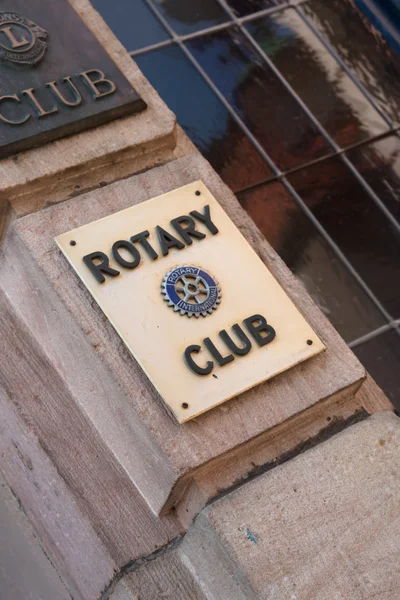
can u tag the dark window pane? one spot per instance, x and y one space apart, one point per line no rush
365 52
300 245
357 225
186 16
132 22
247 7
261 100
379 164
203 117
313 73
381 357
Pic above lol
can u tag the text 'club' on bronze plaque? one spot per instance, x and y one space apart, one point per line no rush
55 77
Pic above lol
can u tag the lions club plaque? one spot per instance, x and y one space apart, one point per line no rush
192 301
55 77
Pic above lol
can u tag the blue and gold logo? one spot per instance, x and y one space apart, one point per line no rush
191 291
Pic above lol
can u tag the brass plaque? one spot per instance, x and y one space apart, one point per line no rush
55 77
190 298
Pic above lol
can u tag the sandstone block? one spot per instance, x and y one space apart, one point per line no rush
165 577
324 525
170 464
25 570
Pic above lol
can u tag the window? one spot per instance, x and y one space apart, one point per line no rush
295 104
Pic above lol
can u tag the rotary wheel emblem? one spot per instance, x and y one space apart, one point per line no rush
22 42
192 291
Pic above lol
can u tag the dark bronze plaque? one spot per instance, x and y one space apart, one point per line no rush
55 77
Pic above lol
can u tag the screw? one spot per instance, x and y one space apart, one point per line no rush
72 243
185 405
197 193
309 342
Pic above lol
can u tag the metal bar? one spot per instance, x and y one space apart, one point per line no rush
337 150
272 165
281 78
345 68
371 193
316 161
371 335
336 249
146 49
221 97
273 178
268 11
214 28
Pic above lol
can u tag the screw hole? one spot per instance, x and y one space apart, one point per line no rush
309 342
72 243
185 405
197 192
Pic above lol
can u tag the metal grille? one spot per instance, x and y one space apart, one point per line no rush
388 320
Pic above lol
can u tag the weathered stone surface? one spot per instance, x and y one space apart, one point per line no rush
66 167
165 577
67 534
324 525
25 570
101 485
372 398
79 342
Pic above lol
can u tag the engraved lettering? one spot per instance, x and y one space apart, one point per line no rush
103 266
130 249
73 91
260 330
193 366
186 227
141 238
221 360
205 218
226 338
128 255
15 98
167 241
97 83
42 112
15 43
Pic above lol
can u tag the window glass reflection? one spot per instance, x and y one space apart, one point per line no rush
132 22
357 225
381 358
306 253
313 73
246 7
187 16
262 101
203 117
365 52
379 164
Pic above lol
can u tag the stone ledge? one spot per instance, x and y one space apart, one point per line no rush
165 577
323 387
61 169
324 525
